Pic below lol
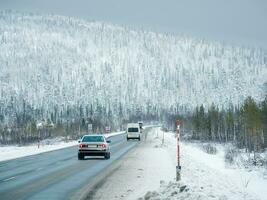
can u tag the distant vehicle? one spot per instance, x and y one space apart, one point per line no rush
93 145
133 131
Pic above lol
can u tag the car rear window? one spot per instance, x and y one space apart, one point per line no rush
93 139
133 130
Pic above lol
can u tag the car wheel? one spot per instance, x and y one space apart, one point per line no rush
107 155
139 138
80 156
127 139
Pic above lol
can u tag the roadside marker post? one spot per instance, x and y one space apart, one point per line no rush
38 143
178 167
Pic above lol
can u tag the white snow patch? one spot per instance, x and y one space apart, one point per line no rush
206 176
12 152
141 170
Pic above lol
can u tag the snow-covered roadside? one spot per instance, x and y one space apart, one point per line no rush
141 170
205 176
12 152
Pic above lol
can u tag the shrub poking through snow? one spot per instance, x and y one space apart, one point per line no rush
256 160
150 195
209 148
230 155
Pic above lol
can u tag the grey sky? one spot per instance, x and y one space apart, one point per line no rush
242 22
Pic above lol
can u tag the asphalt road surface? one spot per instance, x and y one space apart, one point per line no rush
57 174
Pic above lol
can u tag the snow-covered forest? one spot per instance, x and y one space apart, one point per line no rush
64 70
244 125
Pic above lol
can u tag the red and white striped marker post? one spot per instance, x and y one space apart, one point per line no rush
178 167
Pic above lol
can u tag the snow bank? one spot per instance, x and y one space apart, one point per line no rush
11 152
142 169
114 134
206 176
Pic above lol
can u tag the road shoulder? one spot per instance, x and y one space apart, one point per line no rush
141 170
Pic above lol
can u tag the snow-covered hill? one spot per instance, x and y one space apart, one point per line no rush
55 61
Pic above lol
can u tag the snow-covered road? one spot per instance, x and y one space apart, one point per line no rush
56 175
9 152
148 172
15 151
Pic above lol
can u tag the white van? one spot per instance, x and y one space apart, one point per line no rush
133 131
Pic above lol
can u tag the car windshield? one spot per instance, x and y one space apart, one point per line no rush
93 139
132 129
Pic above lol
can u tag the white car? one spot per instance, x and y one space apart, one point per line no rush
93 145
133 131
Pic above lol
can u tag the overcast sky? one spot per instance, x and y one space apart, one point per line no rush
243 22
